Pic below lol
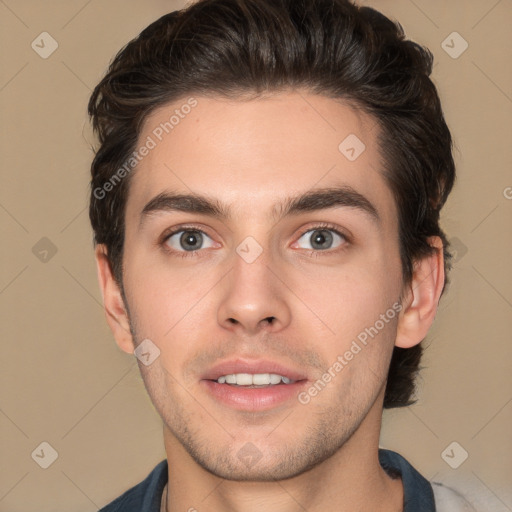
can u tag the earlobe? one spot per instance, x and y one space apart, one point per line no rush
115 310
422 297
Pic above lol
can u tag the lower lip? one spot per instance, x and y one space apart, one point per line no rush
254 399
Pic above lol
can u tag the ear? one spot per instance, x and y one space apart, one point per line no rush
422 297
115 310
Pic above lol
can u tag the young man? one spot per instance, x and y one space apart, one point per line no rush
265 202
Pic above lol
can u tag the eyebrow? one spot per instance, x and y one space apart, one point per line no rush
313 200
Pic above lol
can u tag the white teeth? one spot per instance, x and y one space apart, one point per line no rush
274 379
243 379
231 379
262 379
257 379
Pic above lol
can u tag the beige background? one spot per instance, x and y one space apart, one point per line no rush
63 379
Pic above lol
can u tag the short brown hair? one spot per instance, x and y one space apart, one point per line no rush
235 48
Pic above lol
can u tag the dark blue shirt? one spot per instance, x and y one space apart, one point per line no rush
147 496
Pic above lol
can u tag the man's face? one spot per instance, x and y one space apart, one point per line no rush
323 273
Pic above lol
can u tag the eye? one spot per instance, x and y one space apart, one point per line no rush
321 239
188 240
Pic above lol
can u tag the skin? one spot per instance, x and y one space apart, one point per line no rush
212 305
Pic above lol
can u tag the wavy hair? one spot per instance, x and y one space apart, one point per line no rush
240 48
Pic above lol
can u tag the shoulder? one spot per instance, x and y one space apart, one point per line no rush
419 493
145 496
449 500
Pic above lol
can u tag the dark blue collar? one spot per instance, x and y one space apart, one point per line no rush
147 495
418 493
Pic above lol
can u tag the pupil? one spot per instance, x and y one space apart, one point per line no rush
320 238
189 239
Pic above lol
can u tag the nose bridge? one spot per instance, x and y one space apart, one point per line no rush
252 294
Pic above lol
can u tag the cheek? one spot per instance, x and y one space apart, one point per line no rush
346 300
335 302
165 300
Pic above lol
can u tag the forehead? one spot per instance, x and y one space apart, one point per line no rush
250 154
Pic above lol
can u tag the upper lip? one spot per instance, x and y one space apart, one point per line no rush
252 366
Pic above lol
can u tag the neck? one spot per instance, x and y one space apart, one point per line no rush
352 480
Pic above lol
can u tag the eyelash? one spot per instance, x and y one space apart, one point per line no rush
312 252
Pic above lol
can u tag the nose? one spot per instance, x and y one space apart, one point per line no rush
254 298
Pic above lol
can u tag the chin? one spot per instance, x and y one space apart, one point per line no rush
249 464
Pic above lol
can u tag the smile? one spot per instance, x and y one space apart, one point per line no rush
254 380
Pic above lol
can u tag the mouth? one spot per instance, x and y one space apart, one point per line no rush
256 380
253 385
